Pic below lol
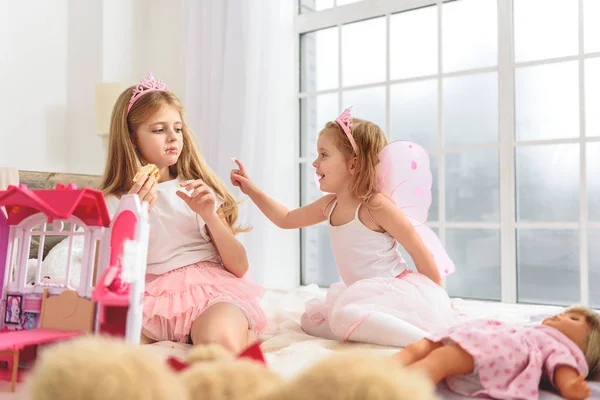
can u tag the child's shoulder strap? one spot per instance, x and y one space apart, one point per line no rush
330 203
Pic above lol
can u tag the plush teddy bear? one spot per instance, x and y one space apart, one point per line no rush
213 373
96 368
355 375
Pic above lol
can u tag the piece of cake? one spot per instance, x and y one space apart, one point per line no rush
149 169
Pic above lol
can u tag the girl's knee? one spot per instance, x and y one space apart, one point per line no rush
232 338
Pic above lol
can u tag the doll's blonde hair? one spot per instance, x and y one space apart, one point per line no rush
370 140
591 348
124 160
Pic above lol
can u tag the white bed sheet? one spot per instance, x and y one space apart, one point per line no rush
289 350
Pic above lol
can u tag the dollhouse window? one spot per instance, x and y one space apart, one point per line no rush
61 267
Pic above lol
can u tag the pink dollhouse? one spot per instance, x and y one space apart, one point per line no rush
107 296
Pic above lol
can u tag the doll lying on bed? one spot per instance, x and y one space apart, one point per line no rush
494 359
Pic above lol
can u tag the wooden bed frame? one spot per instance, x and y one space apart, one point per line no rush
49 180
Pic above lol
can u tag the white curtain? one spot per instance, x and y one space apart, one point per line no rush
241 101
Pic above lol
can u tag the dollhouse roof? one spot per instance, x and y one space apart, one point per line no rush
57 204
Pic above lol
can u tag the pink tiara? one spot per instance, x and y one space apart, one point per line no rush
146 85
345 122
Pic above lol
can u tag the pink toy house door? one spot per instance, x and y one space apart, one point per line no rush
114 317
123 228
122 313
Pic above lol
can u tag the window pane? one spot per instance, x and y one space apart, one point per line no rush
471 109
314 5
472 186
414 43
320 58
591 28
592 96
308 187
547 183
476 254
545 29
547 101
318 264
592 159
434 209
315 113
367 104
548 266
364 52
317 257
469 34
594 266
414 109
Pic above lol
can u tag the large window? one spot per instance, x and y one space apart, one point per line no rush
507 105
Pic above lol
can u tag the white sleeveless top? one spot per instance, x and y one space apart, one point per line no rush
178 236
362 253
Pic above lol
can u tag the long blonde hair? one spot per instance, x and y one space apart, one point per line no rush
124 160
370 140
591 347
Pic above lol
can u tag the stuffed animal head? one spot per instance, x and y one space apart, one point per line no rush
98 368
213 373
355 375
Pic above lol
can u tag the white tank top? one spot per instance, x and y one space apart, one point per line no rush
362 253
178 236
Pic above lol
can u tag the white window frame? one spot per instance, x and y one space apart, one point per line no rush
507 144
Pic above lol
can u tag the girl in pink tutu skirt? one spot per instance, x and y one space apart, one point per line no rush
379 300
195 286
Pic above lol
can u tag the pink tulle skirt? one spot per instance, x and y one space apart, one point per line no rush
173 301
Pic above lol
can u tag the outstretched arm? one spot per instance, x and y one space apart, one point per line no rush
279 214
397 224
285 218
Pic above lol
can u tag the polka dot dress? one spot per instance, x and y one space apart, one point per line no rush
510 360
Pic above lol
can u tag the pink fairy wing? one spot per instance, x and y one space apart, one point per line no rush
404 175
440 256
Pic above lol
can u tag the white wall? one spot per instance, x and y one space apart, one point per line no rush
53 53
33 68
84 70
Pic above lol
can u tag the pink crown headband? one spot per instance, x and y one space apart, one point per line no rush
146 85
345 122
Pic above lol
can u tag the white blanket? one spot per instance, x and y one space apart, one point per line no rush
289 350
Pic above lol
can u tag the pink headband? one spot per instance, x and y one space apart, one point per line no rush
345 122
147 85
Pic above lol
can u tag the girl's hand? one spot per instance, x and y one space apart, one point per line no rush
145 188
239 177
201 201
